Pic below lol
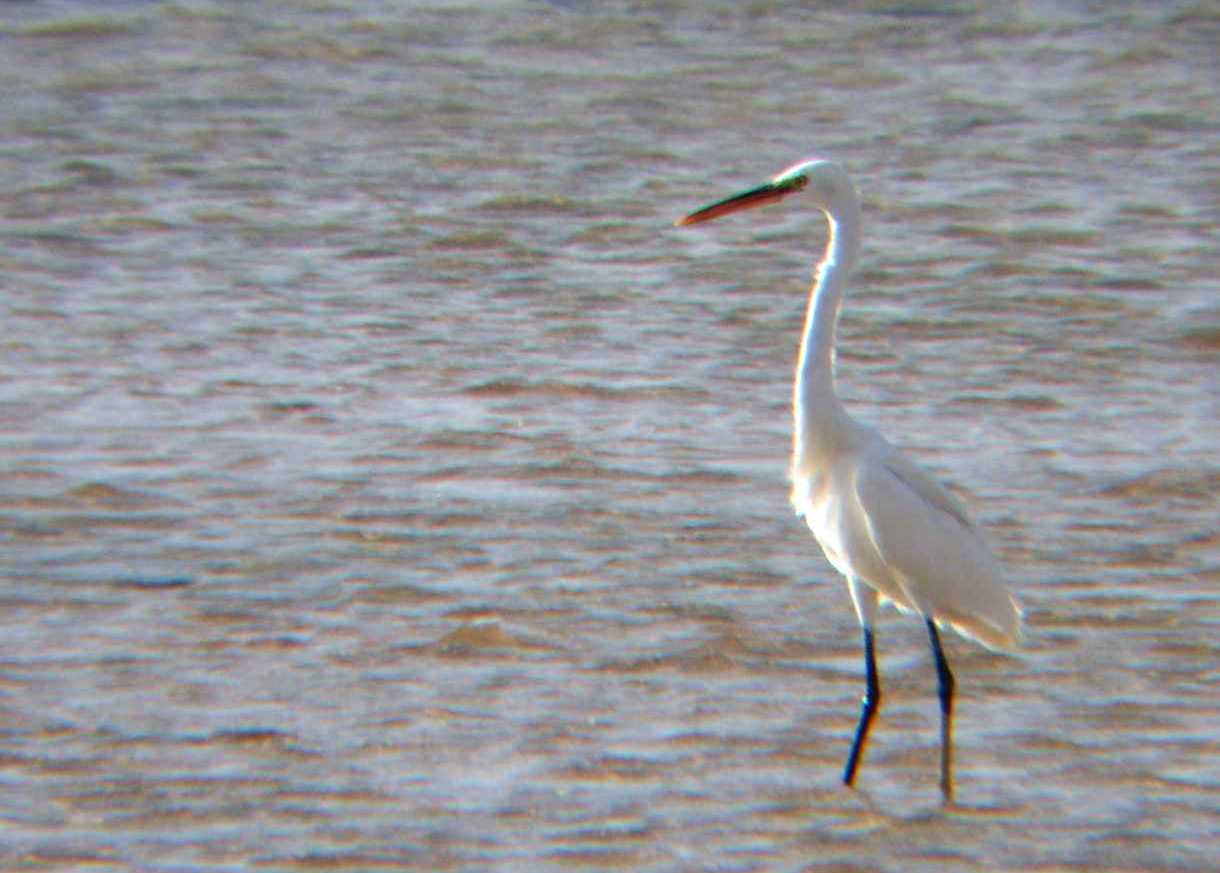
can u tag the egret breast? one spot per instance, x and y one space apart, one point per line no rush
826 499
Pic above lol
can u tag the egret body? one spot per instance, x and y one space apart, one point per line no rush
891 530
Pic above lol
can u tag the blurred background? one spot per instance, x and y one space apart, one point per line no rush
386 484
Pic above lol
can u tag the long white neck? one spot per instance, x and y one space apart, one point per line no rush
819 418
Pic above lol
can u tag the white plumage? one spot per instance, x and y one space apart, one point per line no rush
892 531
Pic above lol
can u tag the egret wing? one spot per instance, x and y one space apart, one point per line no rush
934 552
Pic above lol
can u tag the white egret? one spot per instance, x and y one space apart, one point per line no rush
892 531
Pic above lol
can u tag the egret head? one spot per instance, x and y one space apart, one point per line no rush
825 180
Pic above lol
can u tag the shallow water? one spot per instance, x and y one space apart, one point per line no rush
388 485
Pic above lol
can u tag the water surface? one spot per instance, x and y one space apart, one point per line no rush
388 485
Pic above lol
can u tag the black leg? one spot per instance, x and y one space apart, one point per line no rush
944 680
868 708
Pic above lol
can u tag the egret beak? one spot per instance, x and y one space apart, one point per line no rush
755 197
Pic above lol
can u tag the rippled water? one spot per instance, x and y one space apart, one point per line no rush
387 484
